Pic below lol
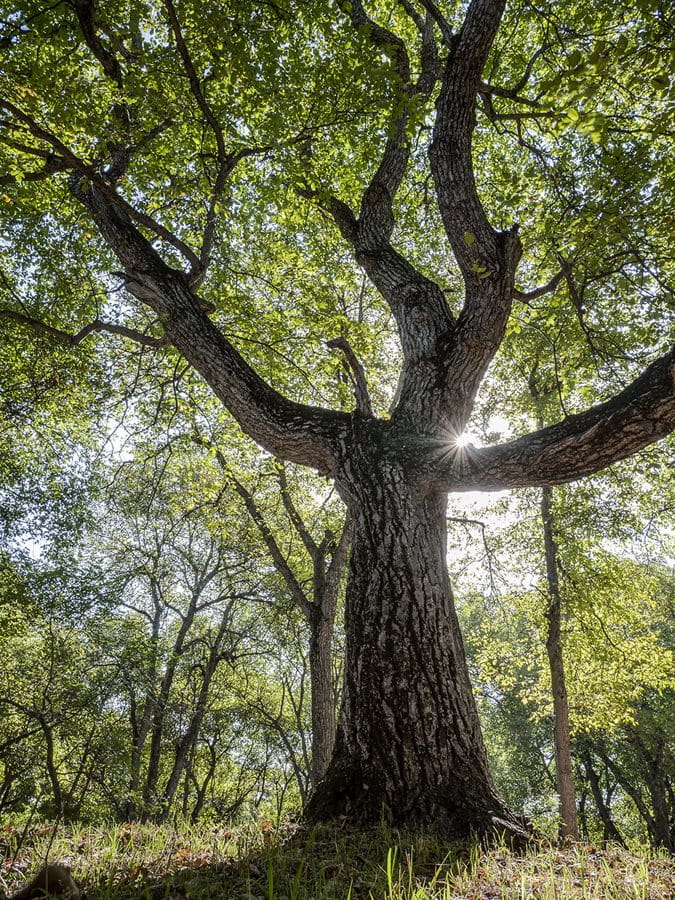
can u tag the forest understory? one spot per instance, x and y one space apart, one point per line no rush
290 863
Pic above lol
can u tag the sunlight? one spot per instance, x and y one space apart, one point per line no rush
463 440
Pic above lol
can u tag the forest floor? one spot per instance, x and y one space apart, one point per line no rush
260 862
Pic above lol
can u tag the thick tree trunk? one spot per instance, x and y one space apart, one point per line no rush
561 723
409 745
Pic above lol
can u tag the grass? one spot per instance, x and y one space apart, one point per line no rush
260 862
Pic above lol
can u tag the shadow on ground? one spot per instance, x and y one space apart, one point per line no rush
320 864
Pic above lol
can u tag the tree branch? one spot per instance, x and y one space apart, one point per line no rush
289 430
471 236
53 165
295 517
547 288
97 325
580 445
278 558
441 21
90 173
84 10
423 318
357 373
487 258
226 161
109 62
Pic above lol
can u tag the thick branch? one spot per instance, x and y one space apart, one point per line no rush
289 430
423 318
376 206
84 10
487 258
413 14
52 162
109 62
582 444
443 24
422 315
473 240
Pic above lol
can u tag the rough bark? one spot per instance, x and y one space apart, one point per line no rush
561 725
322 698
409 744
636 417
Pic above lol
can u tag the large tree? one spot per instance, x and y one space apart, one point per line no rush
210 143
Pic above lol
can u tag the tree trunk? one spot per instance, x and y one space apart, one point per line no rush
160 707
188 739
634 792
656 778
51 766
609 830
409 745
323 696
141 730
561 723
319 610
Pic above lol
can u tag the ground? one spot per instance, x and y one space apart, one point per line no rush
261 862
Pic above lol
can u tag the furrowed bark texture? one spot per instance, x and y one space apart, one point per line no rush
409 744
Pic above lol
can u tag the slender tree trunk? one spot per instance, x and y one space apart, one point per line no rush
561 724
51 766
656 779
583 819
324 723
635 793
141 730
188 740
9 779
409 745
201 789
319 611
159 709
609 829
